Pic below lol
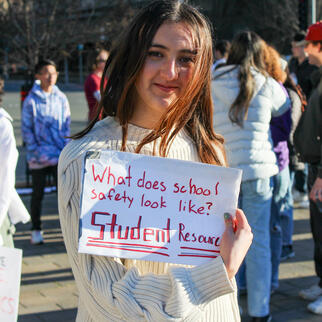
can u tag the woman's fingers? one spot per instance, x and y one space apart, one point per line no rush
230 222
241 220
234 246
228 219
316 191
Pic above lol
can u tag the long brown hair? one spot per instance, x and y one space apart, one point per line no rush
290 84
274 68
272 60
246 51
193 111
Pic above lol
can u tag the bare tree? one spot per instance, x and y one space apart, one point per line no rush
275 21
33 29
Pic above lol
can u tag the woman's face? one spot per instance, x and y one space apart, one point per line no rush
165 74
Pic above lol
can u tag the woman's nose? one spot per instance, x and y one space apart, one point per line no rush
169 69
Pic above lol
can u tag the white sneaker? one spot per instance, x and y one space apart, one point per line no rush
36 237
299 197
305 204
311 293
316 306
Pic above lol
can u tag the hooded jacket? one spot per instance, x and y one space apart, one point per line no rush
250 147
45 126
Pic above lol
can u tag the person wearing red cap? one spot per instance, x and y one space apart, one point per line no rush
301 71
299 65
309 132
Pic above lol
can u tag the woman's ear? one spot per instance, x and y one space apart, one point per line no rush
320 46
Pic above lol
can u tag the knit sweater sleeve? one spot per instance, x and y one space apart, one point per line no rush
111 292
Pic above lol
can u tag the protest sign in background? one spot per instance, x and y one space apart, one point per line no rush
10 272
151 208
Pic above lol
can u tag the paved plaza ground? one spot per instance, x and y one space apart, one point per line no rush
48 291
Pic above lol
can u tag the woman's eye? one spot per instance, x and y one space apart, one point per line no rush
187 59
154 54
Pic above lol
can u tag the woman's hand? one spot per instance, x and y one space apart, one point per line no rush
316 191
235 242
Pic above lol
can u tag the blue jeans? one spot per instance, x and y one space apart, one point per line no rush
287 222
255 200
281 184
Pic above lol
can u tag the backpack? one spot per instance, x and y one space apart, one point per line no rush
302 97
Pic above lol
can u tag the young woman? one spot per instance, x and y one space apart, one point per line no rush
157 102
280 129
245 99
285 125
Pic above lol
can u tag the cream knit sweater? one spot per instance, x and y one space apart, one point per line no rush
111 289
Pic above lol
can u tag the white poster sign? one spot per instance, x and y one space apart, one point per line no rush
151 208
10 272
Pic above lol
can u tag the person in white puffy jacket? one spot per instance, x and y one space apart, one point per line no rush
12 209
245 99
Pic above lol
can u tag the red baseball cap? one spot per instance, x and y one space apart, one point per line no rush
314 32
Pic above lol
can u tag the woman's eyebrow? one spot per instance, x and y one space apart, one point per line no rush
187 51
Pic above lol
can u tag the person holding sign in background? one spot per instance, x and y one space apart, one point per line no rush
12 209
245 100
156 102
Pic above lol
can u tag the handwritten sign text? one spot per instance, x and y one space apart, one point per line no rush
136 206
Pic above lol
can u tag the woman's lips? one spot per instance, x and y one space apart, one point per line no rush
166 89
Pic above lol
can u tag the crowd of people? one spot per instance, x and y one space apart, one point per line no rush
159 92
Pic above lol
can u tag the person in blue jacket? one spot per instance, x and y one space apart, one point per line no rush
45 128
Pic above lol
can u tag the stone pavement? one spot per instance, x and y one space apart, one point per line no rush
295 274
48 291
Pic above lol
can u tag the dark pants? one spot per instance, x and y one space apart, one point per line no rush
39 179
316 225
299 180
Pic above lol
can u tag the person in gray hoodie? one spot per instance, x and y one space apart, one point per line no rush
245 99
